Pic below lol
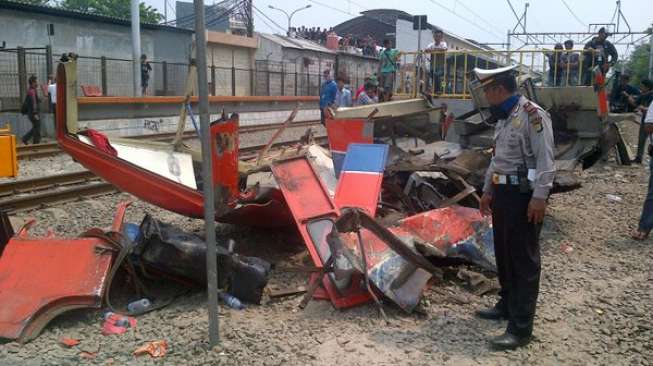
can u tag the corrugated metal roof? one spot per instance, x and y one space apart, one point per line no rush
49 10
296 43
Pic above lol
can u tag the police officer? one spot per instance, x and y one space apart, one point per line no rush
517 185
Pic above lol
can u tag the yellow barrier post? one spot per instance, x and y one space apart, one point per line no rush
8 156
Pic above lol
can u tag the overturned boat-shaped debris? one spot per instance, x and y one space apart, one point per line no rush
166 175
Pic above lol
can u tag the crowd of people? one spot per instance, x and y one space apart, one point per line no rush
566 68
315 34
365 45
379 86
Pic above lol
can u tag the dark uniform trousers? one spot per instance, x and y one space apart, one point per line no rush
517 251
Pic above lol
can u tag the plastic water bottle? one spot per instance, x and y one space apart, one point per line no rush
231 301
139 306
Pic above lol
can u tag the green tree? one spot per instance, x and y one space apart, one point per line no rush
638 61
113 8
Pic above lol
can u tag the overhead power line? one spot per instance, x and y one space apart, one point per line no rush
466 20
494 26
573 14
331 7
270 19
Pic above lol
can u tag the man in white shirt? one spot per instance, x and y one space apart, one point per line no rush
52 93
343 95
437 48
646 220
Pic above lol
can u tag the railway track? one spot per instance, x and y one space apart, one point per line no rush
35 193
52 148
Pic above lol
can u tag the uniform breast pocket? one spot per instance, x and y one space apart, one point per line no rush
513 149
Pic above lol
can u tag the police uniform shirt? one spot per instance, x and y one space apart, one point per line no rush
527 135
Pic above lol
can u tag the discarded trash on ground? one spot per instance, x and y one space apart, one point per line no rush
117 324
154 349
69 342
169 250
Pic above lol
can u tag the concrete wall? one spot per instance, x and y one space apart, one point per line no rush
223 57
143 126
88 38
356 67
268 50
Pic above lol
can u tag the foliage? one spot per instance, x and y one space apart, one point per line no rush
113 8
638 62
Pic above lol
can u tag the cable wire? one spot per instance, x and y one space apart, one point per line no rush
268 18
461 3
465 19
573 14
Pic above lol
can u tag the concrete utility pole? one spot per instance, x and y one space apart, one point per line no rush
136 46
289 16
207 173
650 57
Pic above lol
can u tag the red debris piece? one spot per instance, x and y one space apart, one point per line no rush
154 349
69 342
114 324
71 274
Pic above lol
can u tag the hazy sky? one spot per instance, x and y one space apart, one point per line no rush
482 20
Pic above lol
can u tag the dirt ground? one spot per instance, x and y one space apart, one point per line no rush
595 303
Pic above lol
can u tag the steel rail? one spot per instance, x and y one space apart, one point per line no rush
78 189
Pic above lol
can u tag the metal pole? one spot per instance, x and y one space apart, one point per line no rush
250 19
419 60
650 57
207 174
136 46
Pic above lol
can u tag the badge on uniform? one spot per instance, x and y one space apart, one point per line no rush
537 123
534 117
516 122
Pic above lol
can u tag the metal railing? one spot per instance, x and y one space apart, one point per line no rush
447 73
113 76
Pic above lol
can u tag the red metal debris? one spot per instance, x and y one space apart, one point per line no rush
314 217
41 278
268 211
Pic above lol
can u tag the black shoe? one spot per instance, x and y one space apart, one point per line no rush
509 341
637 161
492 313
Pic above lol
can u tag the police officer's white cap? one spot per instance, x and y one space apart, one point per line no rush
487 76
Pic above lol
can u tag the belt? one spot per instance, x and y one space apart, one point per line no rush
508 179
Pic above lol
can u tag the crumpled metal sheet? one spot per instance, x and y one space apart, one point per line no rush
452 232
456 231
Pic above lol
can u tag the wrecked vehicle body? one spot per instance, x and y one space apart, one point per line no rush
168 174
